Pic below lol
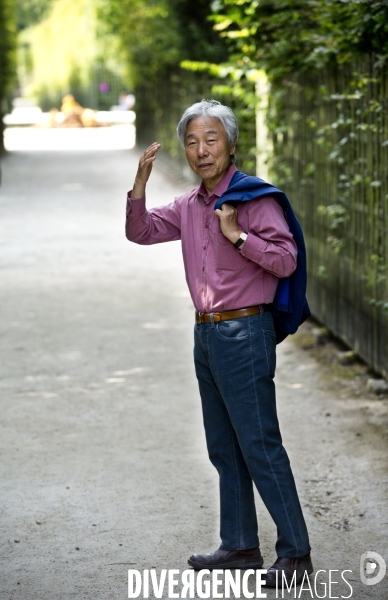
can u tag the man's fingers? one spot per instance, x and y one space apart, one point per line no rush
151 150
225 211
144 170
147 160
148 156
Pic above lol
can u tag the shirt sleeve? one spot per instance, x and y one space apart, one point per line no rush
270 242
152 226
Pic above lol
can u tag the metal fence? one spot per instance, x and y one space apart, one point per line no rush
332 157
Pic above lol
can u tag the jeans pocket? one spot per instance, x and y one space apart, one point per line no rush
233 330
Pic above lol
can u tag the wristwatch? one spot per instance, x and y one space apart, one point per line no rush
241 240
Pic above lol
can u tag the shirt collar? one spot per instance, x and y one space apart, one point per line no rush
221 187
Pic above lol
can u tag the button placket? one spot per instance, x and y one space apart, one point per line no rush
205 244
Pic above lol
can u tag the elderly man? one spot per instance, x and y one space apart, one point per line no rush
233 257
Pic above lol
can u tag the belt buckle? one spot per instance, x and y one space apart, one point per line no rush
200 317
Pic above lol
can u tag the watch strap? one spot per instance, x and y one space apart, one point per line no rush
241 240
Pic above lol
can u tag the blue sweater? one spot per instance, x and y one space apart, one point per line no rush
290 307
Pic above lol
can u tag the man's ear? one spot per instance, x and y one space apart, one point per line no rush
232 149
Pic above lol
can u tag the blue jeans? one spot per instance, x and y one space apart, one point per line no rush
235 364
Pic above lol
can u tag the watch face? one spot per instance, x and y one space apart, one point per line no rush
243 236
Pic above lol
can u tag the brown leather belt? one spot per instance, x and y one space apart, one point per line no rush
226 315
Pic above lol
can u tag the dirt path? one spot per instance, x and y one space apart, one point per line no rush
104 466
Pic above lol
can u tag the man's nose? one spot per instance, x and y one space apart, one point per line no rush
202 149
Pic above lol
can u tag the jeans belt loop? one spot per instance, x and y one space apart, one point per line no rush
212 320
261 306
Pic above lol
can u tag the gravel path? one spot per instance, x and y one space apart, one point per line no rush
103 459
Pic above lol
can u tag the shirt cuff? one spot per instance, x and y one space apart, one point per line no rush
135 206
253 248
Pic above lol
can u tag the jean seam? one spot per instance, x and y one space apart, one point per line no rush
231 431
263 445
266 355
271 372
238 511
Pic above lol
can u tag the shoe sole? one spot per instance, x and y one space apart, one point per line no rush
272 584
228 565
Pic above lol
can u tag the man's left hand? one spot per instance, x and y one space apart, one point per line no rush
227 215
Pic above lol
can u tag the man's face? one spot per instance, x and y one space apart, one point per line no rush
207 150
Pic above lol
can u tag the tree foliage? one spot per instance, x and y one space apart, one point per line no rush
31 12
292 36
7 55
7 45
69 51
156 35
62 46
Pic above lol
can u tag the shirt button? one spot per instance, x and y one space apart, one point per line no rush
203 268
206 225
204 247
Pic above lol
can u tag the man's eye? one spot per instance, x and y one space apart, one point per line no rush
211 140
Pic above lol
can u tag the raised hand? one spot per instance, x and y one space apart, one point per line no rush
144 171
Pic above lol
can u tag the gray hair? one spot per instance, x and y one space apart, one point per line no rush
206 109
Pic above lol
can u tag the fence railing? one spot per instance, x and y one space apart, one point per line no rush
333 154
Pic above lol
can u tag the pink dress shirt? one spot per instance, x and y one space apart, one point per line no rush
219 276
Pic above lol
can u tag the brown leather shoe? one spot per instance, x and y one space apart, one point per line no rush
225 559
288 566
